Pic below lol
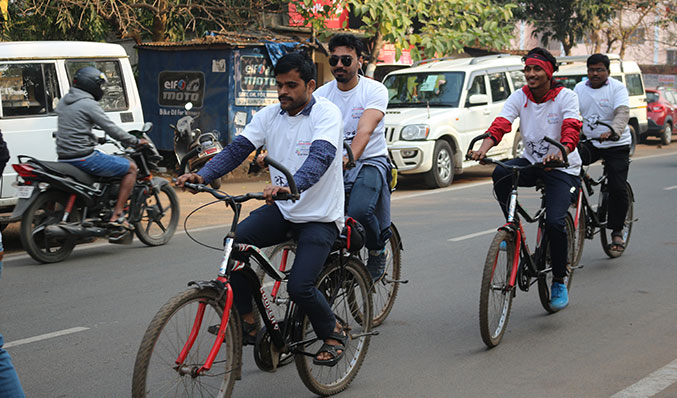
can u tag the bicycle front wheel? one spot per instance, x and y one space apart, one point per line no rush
545 279
347 291
495 293
605 233
579 237
156 373
385 289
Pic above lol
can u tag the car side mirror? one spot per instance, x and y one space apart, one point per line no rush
478 99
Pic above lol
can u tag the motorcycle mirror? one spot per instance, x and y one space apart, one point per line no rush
188 106
147 127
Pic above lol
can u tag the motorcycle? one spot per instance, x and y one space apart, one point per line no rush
60 205
192 147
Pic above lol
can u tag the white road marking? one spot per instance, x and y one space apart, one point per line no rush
45 336
652 384
670 188
476 234
440 190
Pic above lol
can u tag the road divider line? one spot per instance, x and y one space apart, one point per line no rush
45 336
670 188
652 384
440 190
470 236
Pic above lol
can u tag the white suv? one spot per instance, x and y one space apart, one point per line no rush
437 107
573 69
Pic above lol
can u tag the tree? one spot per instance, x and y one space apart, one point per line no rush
157 20
564 20
428 27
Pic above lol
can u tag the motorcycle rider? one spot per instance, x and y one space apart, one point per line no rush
79 111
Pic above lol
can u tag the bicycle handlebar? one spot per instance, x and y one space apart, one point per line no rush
564 163
613 137
351 156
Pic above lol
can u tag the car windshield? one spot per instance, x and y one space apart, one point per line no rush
424 89
651 96
571 81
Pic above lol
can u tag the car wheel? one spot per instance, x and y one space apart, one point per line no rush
442 172
666 137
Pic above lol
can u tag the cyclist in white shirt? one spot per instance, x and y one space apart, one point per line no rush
545 108
606 100
363 103
303 132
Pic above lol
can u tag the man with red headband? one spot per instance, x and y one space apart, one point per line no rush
545 108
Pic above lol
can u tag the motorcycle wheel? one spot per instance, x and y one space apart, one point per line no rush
159 217
47 209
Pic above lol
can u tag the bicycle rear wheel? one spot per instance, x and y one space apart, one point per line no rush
605 233
385 289
579 236
156 373
495 295
348 292
545 280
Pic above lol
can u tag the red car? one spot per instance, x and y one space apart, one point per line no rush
661 111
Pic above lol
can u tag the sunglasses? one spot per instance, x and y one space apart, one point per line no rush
346 60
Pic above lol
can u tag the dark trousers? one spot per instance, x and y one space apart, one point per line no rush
617 164
364 197
264 227
559 193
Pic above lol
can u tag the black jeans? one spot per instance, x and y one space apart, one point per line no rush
264 227
560 188
617 164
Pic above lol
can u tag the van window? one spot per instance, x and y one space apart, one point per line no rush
477 87
115 96
424 89
28 89
498 83
518 79
634 84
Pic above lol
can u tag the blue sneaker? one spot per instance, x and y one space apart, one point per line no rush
559 297
376 263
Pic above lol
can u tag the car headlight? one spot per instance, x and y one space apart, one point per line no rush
415 132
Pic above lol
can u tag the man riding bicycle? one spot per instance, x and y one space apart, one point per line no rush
545 108
304 133
606 100
78 112
363 103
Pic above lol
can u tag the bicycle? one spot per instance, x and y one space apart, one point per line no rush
510 262
589 221
193 345
384 289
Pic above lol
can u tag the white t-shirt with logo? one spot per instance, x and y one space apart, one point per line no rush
288 140
367 94
544 119
599 104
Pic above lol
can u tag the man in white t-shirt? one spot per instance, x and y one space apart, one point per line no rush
363 104
304 133
545 108
606 100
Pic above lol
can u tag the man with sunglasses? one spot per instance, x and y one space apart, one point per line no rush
545 108
363 103
606 100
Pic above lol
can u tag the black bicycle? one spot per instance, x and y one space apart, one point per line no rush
588 220
193 345
510 263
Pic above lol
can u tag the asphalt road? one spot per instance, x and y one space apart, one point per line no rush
88 314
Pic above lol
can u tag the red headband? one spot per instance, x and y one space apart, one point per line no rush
547 66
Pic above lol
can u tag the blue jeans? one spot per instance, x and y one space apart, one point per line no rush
10 387
101 164
362 205
560 188
264 227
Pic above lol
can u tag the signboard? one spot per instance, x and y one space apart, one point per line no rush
255 83
388 53
176 88
335 21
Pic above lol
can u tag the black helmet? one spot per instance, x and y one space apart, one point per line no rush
91 80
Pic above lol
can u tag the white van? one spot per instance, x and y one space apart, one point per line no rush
573 69
436 108
34 76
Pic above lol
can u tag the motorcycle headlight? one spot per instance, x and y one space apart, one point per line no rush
415 132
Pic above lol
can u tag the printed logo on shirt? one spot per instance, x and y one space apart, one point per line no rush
538 148
280 181
604 102
553 118
357 112
302 148
349 135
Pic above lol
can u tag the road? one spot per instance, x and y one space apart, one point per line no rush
87 314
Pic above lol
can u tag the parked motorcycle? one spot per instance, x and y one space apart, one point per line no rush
192 147
60 205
